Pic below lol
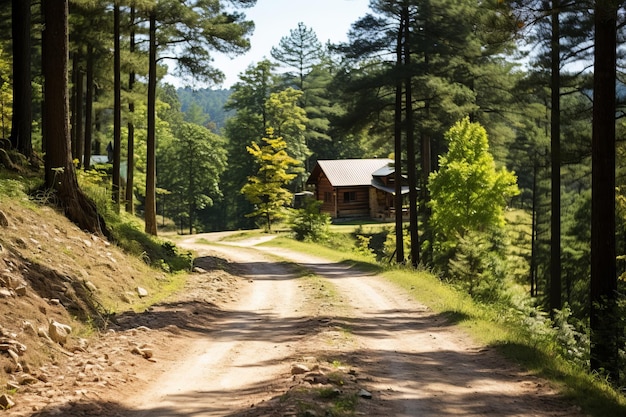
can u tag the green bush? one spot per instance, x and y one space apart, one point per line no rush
477 265
308 224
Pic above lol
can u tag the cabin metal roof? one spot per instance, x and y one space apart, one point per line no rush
349 172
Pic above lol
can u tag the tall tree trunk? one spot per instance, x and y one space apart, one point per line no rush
117 109
130 167
533 233
150 204
604 317
22 89
410 144
555 145
59 169
89 108
398 150
79 108
73 112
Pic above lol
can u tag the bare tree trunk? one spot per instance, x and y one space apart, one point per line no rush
130 167
89 109
59 169
555 146
604 317
117 109
150 204
410 144
22 89
79 139
398 151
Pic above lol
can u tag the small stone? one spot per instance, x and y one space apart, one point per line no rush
365 394
142 292
4 220
299 369
58 332
6 401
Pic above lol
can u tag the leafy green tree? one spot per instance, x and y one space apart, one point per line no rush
288 120
468 193
266 190
190 169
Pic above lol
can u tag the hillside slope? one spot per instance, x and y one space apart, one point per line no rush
58 287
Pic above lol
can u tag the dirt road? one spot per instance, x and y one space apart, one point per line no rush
410 360
286 343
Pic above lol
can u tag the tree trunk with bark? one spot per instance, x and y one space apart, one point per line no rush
410 144
22 90
555 152
130 171
117 109
604 317
150 203
89 108
60 174
398 151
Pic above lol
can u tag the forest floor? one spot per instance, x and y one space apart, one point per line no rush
257 331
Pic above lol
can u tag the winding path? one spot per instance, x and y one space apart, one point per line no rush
411 359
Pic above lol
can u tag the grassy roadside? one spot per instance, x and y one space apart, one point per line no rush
492 326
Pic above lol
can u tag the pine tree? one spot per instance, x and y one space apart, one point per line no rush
300 51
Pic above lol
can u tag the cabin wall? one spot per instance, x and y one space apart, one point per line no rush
353 201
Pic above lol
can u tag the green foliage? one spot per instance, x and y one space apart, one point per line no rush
308 224
6 95
289 120
389 247
265 190
211 102
191 168
127 230
478 266
248 100
468 193
362 246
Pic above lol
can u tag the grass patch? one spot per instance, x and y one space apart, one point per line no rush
492 325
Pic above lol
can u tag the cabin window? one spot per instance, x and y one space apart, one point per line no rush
349 196
328 197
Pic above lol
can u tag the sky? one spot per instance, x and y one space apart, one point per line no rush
273 19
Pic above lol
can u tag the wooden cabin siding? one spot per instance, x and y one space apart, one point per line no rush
326 194
353 202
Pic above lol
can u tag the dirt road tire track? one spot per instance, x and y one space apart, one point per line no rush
233 359
421 365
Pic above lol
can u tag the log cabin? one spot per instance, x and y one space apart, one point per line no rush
356 188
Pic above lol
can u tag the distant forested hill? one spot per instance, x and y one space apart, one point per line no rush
210 101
